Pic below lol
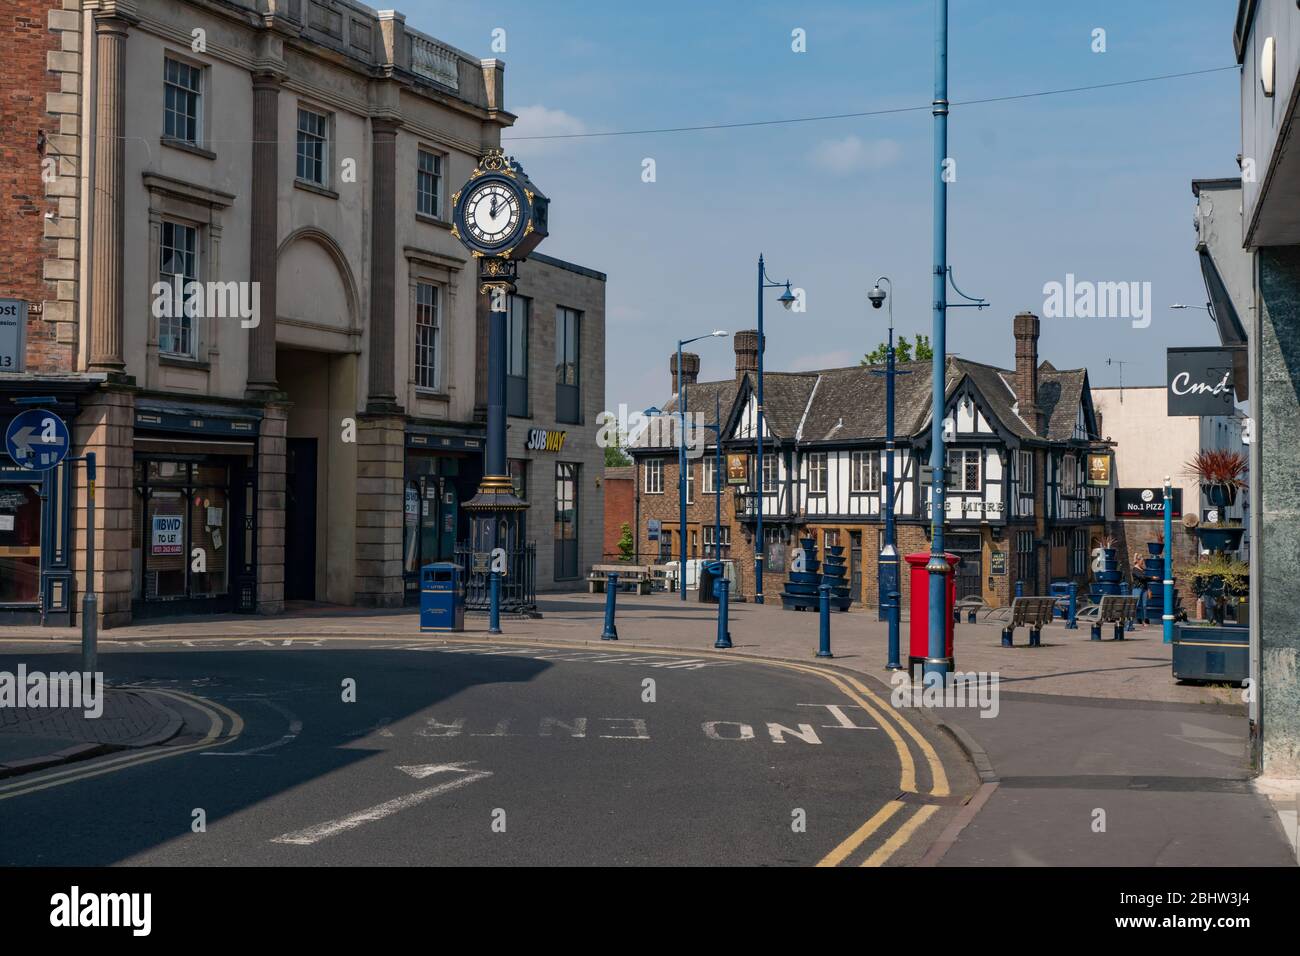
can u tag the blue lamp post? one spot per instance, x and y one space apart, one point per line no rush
787 299
681 452
1167 616
887 567
937 663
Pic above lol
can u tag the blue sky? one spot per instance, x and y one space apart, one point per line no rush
1096 184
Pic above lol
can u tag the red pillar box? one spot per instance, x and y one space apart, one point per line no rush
919 627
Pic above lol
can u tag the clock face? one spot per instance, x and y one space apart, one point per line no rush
492 213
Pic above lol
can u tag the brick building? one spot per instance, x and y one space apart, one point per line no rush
1019 503
620 508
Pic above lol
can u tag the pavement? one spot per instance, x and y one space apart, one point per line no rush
1095 756
33 738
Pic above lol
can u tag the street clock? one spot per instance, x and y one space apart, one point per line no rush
499 213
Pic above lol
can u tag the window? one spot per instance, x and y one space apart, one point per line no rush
817 473
1026 565
1026 460
178 263
426 336
1079 554
709 475
774 550
568 352
690 483
964 469
566 520
518 468
771 473
866 471
717 541
1069 476
313 136
654 476
428 184
517 309
182 90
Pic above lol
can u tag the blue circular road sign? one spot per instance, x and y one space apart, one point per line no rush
37 440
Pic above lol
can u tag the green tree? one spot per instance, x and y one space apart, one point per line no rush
625 542
615 458
902 351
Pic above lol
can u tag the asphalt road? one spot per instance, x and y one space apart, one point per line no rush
460 754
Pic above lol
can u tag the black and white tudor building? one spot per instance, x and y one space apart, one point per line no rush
1019 504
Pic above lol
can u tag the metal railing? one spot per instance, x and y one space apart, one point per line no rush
518 584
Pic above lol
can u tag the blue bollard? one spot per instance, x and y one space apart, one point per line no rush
824 647
494 602
723 586
1020 589
1071 620
611 595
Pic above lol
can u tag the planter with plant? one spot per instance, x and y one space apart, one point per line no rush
1220 473
1217 579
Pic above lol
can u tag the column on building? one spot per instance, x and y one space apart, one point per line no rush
272 443
1279 509
381 430
106 421
105 426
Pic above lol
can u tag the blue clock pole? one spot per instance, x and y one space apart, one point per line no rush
498 185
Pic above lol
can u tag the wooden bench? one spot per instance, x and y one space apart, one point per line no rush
630 576
1116 610
1030 612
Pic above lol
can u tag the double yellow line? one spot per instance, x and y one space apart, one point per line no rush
213 738
856 691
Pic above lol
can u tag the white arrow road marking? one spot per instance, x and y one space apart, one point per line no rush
386 809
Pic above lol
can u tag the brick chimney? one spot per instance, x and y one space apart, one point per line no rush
690 368
1025 327
746 344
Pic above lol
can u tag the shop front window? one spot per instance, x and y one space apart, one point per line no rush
20 544
182 528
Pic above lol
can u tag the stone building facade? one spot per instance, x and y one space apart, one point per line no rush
306 428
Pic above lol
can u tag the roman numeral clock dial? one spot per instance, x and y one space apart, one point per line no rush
492 213
499 214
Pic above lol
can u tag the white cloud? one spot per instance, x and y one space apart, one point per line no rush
540 121
852 154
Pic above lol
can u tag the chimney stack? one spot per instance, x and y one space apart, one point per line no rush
746 345
1025 326
690 368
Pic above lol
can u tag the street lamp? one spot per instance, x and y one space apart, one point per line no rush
681 451
887 567
787 299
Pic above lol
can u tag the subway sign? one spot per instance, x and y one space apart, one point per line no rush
542 439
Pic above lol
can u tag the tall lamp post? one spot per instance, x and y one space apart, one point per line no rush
787 299
937 663
681 452
887 568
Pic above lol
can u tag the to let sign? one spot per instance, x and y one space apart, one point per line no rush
1199 381
168 534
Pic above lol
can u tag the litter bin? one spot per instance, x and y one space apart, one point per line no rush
442 602
710 572
919 625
